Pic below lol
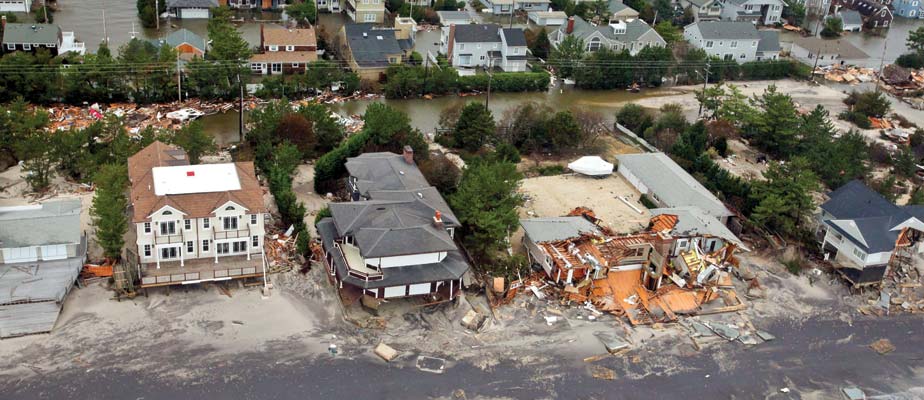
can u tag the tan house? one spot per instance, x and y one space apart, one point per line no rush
194 223
369 50
284 51
366 11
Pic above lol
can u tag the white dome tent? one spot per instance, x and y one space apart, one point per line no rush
591 166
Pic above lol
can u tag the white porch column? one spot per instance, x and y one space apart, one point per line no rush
450 288
215 244
182 252
247 247
157 256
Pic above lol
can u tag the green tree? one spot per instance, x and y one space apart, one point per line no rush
38 154
775 127
193 139
735 107
109 205
541 45
784 199
44 15
711 99
564 131
486 204
634 117
870 103
474 128
226 41
917 197
915 40
327 131
567 56
834 26
304 12
794 12
148 14
664 9
669 32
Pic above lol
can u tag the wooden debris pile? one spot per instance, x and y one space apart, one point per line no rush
847 74
280 252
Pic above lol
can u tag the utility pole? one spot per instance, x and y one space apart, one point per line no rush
512 9
157 13
487 100
240 126
817 56
179 79
45 9
105 34
705 82
881 61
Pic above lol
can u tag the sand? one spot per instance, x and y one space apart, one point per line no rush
303 186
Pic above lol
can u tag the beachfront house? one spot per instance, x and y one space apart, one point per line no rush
395 237
632 35
484 46
193 223
42 250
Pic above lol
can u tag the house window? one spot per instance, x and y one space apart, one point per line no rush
729 57
461 46
205 246
741 56
482 58
365 1
594 44
290 48
168 253
223 248
50 45
147 250
294 65
168 212
734 44
11 46
147 227
274 48
187 224
26 46
277 67
708 44
239 247
255 241
369 17
229 223
205 223
859 253
516 50
168 228
190 246
257 67
253 219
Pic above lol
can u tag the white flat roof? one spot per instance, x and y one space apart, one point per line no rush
203 178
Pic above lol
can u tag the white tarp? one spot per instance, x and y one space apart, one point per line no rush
591 165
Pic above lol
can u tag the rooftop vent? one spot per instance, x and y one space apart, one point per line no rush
378 37
190 173
365 34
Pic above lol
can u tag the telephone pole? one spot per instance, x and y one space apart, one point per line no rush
705 82
240 126
487 100
179 79
157 13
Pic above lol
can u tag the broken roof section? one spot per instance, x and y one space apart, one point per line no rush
558 228
692 221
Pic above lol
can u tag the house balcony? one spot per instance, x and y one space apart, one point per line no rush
221 234
356 265
69 43
201 270
177 238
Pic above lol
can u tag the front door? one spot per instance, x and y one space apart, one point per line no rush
168 253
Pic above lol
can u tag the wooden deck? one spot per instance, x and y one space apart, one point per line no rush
201 270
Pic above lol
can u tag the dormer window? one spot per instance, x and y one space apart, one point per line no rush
274 48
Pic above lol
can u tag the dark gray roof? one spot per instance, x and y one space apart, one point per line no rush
192 3
184 35
477 33
454 15
842 47
727 30
52 222
515 37
384 171
769 41
391 228
865 217
373 49
428 196
851 17
615 6
634 30
31 33
670 183
452 267
554 229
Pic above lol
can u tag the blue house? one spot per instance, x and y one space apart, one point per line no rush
908 8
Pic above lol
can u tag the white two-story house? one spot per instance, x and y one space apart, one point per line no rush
728 40
632 35
194 223
484 45
762 12
865 236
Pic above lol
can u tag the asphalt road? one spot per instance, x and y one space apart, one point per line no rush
812 359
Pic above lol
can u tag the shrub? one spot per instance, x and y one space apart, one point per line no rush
550 170
913 60
858 118
322 213
647 202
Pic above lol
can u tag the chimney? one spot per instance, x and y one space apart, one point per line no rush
452 42
408 155
570 27
438 220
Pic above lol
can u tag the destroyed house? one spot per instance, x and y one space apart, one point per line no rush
194 223
867 237
42 251
691 227
396 237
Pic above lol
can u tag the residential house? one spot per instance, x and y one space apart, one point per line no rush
541 236
875 15
532 5
19 6
191 9
193 223
867 237
331 6
619 11
284 50
908 8
828 52
704 10
455 18
693 228
395 238
369 50
731 40
667 185
31 37
187 44
632 35
365 11
252 4
762 12
485 46
499 7
769 46
851 19
42 251
547 18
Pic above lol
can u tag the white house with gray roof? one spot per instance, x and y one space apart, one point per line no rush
484 45
395 238
632 35
728 40
704 10
42 251
761 12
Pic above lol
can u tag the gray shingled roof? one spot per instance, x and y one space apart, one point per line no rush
384 171
391 228
428 196
769 41
514 36
841 47
554 229
693 221
851 17
373 49
615 6
454 15
31 33
184 35
477 33
452 267
867 218
727 30
670 183
52 222
634 30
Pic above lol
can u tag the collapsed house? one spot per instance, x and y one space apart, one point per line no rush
650 276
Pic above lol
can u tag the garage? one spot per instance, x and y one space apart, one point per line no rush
395 291
193 13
